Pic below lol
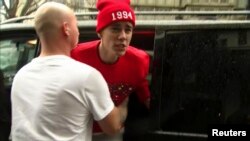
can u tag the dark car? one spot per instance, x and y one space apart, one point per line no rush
199 75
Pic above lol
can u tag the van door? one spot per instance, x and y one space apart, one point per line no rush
200 77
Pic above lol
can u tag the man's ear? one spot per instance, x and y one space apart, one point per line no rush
65 28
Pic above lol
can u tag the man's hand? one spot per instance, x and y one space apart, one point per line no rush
114 121
123 108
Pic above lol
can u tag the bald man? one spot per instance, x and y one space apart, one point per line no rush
55 98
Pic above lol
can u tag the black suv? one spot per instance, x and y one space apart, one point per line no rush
199 75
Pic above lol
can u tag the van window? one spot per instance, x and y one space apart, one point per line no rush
201 77
14 53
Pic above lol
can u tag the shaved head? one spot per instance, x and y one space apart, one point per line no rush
49 18
56 27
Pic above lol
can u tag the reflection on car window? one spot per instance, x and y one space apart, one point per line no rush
14 53
201 77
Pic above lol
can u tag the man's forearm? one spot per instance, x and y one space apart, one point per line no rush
123 110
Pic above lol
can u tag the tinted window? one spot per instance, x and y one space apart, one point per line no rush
200 78
14 53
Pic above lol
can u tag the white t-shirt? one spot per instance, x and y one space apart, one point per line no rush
55 98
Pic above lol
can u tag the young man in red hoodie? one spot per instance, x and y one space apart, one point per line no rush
124 67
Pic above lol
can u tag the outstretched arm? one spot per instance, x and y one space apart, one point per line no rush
114 121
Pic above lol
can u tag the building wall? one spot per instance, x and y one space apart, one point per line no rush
81 6
172 5
156 3
189 5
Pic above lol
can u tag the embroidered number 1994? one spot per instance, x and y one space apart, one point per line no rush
121 15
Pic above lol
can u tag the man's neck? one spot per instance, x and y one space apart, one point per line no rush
106 56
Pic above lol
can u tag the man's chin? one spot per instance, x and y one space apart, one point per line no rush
121 53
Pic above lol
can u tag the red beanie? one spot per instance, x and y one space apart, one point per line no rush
112 11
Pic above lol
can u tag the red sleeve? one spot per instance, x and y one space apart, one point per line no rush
142 90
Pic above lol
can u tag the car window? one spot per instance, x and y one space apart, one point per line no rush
14 53
201 77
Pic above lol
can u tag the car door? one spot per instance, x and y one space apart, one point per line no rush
18 46
200 80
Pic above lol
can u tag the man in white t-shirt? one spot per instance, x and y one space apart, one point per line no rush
55 98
